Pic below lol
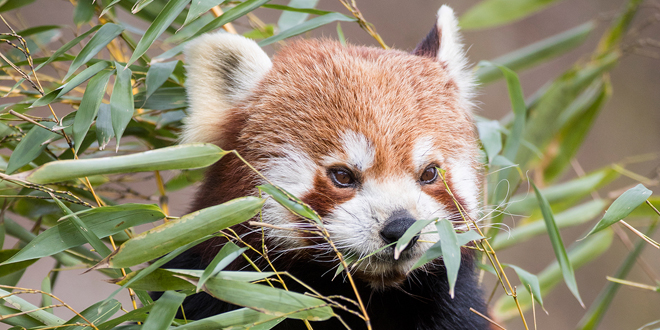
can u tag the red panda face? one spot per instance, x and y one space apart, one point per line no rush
357 133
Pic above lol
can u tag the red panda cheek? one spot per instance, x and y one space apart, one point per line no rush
439 192
324 197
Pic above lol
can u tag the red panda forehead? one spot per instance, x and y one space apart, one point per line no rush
318 93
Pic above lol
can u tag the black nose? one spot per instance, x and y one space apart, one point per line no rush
396 226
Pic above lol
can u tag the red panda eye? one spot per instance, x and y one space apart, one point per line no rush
342 178
429 175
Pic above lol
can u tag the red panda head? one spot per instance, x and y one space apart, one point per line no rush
357 133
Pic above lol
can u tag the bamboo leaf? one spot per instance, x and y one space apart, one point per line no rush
158 74
622 206
230 15
46 300
24 306
558 245
158 280
103 221
269 300
536 53
490 13
199 7
171 10
30 147
491 138
289 19
164 98
21 321
139 5
290 202
467 237
598 308
98 42
185 156
95 314
411 232
84 230
176 233
241 276
104 130
14 4
121 101
139 315
582 253
9 269
71 84
307 26
89 106
236 319
451 251
84 12
529 281
164 310
571 217
227 254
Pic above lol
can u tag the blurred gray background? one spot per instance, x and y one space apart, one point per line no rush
628 126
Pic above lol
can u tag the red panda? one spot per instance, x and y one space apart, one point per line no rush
357 133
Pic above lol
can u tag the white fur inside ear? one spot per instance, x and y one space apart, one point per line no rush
222 69
452 54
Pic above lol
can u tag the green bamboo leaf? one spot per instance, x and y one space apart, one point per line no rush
108 7
30 147
14 4
158 74
566 193
491 137
164 98
230 15
164 311
289 19
136 315
139 5
103 221
104 131
598 308
307 26
46 300
227 254
241 276
176 233
194 155
451 251
84 230
84 12
269 300
89 106
582 253
71 84
490 13
411 232
158 280
434 252
199 7
184 179
558 245
571 217
21 321
290 202
171 10
612 38
24 306
32 31
236 319
95 314
340 35
536 53
574 130
529 281
16 230
121 101
9 269
98 42
467 237
622 206
311 11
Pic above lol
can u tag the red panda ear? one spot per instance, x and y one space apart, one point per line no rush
222 69
444 44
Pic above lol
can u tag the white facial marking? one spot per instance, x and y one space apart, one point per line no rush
359 151
424 153
464 180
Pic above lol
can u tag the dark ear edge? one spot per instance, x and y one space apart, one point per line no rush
430 45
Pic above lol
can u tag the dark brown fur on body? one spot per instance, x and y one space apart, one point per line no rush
315 95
